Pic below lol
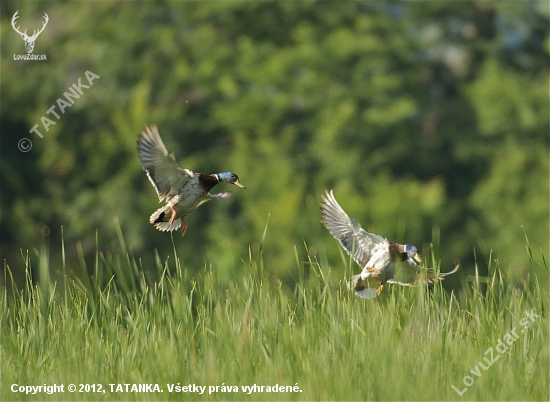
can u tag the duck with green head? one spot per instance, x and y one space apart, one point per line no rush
381 261
181 189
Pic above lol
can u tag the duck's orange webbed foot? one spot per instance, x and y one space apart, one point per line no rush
379 290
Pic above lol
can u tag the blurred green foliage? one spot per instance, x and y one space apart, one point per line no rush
420 115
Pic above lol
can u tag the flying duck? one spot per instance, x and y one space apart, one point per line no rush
381 261
181 189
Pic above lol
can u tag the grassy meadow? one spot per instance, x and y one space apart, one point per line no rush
123 324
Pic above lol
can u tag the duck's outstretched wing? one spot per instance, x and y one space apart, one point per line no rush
352 237
408 273
163 171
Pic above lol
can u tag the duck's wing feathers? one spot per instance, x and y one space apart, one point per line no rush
161 167
217 196
409 273
354 239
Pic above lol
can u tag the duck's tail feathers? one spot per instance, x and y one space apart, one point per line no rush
367 293
161 217
359 285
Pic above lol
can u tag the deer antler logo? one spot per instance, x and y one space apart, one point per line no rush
29 40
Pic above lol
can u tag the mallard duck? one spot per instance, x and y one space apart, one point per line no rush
182 189
381 261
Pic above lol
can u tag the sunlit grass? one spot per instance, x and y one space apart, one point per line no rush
119 325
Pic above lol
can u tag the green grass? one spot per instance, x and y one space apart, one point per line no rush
120 326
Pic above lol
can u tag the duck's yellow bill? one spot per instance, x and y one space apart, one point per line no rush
239 184
417 258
